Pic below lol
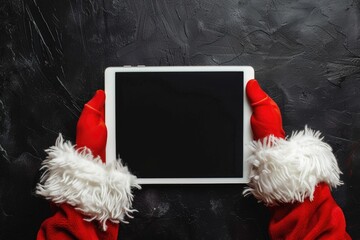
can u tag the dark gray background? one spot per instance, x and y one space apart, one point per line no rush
53 53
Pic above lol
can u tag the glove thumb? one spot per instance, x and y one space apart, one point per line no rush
254 92
97 103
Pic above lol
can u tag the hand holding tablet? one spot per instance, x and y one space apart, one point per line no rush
266 117
91 129
179 124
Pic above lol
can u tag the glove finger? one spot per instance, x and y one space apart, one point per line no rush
98 101
254 92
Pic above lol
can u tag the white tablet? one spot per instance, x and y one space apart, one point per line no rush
179 125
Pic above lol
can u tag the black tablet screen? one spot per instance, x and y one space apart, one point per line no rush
180 124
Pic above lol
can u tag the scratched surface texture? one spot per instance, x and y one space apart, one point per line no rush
53 53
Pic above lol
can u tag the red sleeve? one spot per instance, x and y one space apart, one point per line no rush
92 197
293 177
320 219
68 224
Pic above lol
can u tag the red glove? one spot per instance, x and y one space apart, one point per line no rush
91 197
266 118
292 176
91 129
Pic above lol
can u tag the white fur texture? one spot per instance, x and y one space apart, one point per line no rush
100 191
288 170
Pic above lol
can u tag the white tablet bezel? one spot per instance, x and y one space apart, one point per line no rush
110 73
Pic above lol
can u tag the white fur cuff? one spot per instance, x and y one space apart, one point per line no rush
99 191
288 170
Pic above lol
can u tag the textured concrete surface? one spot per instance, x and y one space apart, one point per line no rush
306 55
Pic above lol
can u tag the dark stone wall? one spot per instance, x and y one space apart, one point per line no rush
306 55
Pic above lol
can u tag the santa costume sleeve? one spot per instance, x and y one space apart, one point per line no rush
292 175
89 197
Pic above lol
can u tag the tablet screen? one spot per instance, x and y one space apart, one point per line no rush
180 124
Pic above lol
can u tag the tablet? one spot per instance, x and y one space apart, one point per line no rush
179 125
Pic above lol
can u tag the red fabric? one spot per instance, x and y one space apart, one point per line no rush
266 117
321 218
91 129
67 223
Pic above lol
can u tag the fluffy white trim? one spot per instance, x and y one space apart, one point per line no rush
288 170
100 191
